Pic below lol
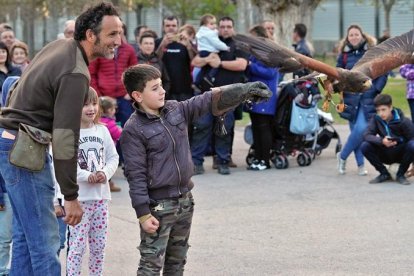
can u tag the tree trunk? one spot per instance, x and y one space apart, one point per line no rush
285 14
387 11
138 13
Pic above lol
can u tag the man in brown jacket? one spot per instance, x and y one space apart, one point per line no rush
50 97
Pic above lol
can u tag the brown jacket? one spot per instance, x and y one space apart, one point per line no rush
50 96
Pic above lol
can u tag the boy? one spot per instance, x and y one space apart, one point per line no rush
158 163
208 42
389 139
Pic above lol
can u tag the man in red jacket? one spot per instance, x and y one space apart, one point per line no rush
106 77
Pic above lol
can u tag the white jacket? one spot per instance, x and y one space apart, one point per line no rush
208 40
96 152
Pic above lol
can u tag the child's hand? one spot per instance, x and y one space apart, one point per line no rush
59 211
101 177
150 225
2 207
93 178
388 143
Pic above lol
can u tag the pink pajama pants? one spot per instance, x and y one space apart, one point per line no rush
92 229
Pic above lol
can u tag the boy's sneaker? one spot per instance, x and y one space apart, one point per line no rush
362 171
402 180
341 164
380 178
223 169
198 169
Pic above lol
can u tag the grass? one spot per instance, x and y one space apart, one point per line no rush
396 87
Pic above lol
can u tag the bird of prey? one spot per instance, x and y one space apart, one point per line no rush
377 61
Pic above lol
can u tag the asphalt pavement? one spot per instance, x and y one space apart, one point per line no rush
296 221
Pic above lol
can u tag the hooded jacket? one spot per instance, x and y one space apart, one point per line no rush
398 127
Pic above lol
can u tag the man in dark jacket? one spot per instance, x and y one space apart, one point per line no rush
389 139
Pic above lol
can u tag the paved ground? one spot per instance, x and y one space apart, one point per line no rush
298 221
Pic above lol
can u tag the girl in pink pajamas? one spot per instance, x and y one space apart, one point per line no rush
97 162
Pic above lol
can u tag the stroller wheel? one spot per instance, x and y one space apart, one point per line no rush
281 162
338 148
286 162
302 159
308 157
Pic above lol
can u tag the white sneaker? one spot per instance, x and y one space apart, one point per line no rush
362 171
341 164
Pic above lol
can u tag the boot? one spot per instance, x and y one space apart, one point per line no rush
113 187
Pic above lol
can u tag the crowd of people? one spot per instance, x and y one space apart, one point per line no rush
156 107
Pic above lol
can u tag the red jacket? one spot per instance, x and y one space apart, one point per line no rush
106 73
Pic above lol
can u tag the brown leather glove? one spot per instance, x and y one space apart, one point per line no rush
228 97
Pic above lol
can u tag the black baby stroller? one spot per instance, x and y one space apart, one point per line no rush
306 145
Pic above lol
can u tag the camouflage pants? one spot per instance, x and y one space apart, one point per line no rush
167 248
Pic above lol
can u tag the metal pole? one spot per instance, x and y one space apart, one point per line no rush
341 19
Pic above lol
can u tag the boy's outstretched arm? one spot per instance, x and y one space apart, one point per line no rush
225 98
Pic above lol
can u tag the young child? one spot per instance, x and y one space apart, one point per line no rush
97 162
158 163
19 53
389 139
108 109
208 42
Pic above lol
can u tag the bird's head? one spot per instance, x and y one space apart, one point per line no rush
352 81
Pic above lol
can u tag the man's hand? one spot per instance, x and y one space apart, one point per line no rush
168 38
73 212
101 177
388 143
2 207
213 60
59 211
150 225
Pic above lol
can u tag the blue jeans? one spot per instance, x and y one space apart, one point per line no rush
35 227
5 234
355 138
124 110
201 138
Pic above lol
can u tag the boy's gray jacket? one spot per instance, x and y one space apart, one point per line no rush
156 150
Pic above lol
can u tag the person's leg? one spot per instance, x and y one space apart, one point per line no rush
175 256
355 139
360 127
202 131
124 110
411 105
375 155
35 227
256 135
5 234
223 143
348 146
407 155
77 239
98 236
153 246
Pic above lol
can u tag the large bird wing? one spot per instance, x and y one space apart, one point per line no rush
275 55
386 56
270 53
